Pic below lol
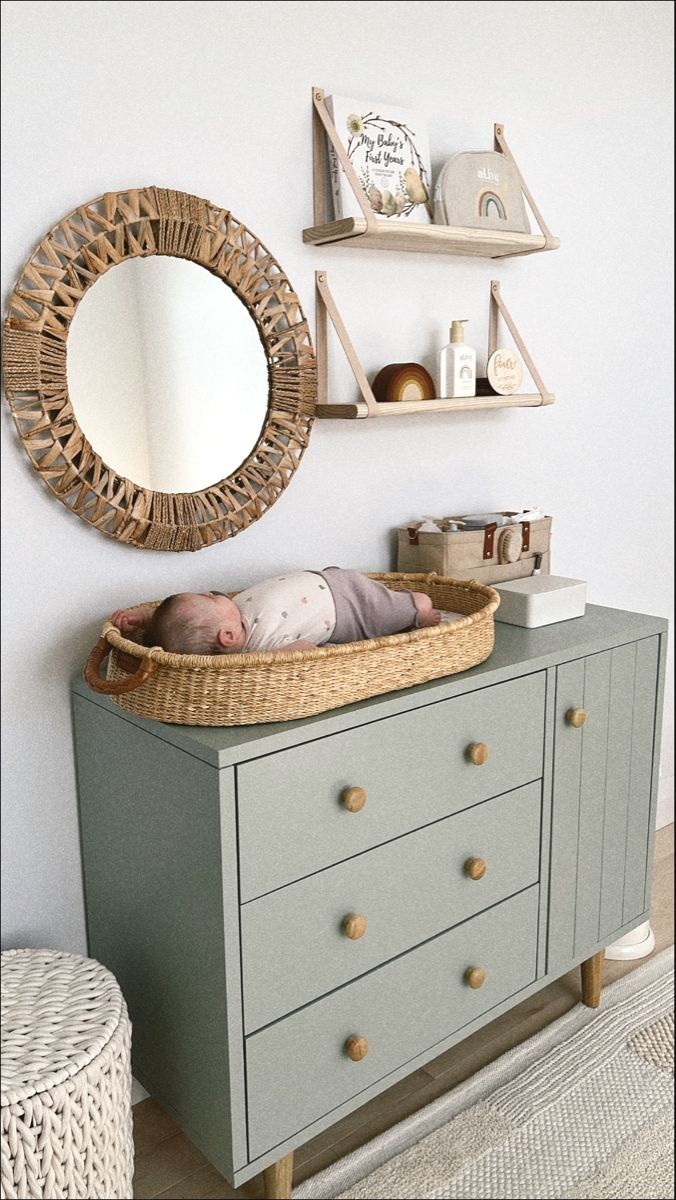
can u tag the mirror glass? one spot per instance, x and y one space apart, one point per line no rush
167 375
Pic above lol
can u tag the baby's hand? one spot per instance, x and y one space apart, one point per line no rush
129 620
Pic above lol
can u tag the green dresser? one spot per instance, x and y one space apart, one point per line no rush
301 914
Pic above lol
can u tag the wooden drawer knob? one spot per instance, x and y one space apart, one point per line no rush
475 977
477 752
354 926
356 1048
576 717
353 799
475 868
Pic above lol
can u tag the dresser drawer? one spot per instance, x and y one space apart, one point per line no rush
414 768
297 944
299 1068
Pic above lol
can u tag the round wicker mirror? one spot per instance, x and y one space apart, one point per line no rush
85 245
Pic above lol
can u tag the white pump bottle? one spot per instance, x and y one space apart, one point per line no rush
457 365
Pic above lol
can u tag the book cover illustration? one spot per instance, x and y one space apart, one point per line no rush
389 151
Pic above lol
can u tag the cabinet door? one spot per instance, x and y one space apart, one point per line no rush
601 804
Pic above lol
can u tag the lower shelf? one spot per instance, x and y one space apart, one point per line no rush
360 409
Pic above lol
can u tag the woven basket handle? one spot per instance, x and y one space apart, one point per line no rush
109 687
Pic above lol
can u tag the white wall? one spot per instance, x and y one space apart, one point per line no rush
214 98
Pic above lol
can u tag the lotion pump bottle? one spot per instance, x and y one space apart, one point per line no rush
457 365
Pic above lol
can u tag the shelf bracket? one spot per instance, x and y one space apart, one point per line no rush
326 307
323 127
498 308
500 144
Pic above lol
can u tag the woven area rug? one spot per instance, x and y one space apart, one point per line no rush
583 1110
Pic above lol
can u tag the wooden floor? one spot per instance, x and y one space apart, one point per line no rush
169 1166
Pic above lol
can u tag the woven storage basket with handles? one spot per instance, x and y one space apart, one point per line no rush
245 689
489 555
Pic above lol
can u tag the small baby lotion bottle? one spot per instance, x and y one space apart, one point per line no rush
457 366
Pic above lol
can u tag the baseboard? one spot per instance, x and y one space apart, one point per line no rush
665 803
138 1092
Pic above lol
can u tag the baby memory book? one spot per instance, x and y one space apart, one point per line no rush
388 148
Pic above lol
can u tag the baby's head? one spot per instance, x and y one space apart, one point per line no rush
196 623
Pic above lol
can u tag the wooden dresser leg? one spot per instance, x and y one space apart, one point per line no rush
591 971
277 1179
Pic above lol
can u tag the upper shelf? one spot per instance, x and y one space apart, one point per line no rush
373 233
428 239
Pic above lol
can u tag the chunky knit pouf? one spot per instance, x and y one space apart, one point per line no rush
66 1079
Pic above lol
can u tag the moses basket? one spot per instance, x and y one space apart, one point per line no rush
245 689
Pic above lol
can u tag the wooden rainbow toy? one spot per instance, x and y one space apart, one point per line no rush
403 381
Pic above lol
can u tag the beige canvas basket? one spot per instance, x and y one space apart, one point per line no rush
245 689
491 555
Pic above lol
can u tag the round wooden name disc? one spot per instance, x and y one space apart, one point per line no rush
403 381
505 372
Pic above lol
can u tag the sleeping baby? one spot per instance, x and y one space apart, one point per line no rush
296 611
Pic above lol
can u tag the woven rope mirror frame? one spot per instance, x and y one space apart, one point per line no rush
68 261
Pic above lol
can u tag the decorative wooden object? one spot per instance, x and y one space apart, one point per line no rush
476 868
591 976
477 753
399 382
369 232
353 799
354 926
504 370
356 1048
69 259
475 977
576 717
369 406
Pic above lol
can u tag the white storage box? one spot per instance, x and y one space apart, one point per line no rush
541 600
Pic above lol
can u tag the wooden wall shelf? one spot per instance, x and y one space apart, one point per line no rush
368 406
406 407
426 239
373 233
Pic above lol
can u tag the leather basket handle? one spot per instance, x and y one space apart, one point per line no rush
108 687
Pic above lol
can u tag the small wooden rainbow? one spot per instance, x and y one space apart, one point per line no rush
403 381
485 201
